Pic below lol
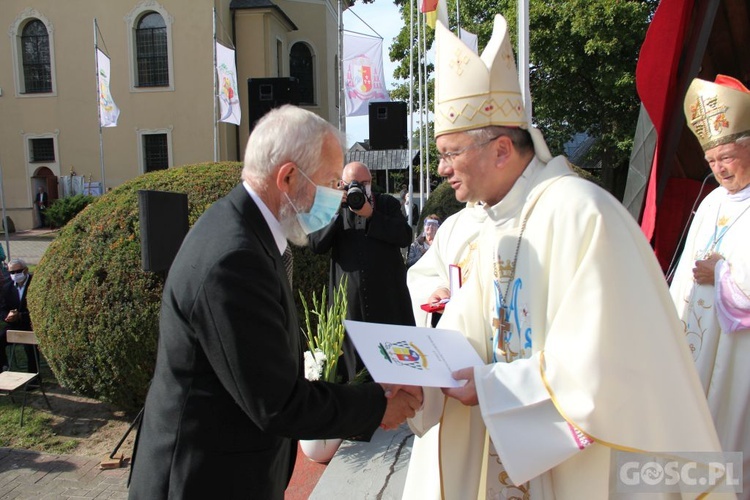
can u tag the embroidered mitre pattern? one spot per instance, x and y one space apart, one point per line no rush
708 117
473 91
717 112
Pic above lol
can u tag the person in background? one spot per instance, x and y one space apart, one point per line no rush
228 400
365 242
423 242
566 305
414 209
711 285
15 312
41 202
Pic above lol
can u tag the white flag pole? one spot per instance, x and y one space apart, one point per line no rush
98 105
340 40
425 97
216 94
420 90
523 55
410 188
458 19
5 217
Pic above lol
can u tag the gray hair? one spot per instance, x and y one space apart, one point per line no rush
743 140
286 134
520 138
19 262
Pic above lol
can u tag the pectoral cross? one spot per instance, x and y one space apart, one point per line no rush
504 328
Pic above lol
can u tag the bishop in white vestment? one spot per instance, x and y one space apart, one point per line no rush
566 304
715 307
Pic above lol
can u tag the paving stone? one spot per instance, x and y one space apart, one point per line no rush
35 475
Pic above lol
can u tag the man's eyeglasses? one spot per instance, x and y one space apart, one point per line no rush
449 156
16 271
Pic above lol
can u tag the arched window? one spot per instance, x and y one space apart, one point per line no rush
35 55
152 58
301 67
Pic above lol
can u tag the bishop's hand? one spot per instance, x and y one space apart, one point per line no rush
467 394
703 272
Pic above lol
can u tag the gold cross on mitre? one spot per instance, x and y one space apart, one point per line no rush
708 116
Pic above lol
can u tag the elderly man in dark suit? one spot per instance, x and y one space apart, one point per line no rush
228 400
15 312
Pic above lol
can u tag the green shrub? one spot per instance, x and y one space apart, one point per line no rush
95 310
64 209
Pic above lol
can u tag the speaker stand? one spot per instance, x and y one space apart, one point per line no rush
135 422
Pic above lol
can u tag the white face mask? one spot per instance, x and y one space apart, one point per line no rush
18 278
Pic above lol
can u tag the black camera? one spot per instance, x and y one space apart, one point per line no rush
355 195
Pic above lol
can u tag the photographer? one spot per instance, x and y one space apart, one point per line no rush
365 239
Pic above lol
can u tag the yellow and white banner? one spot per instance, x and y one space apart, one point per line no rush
363 73
108 110
229 99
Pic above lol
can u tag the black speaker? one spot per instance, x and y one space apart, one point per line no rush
264 94
164 224
388 125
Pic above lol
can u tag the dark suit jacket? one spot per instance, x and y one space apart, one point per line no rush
11 300
228 399
41 198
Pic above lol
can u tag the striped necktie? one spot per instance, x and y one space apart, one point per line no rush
288 259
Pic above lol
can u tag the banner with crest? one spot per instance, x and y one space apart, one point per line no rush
229 100
363 73
108 110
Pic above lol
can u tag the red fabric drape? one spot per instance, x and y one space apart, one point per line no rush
655 78
680 195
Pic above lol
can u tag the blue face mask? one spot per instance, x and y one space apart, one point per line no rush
324 208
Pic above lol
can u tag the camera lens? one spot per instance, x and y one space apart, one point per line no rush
355 198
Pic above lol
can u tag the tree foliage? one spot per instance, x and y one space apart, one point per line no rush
582 56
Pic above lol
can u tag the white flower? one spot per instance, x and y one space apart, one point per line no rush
314 364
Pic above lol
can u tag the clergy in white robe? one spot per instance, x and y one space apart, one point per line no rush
711 285
566 304
593 361
454 244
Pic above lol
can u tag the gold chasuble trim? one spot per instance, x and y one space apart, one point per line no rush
440 449
595 439
482 491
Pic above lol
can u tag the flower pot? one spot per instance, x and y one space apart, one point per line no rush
320 450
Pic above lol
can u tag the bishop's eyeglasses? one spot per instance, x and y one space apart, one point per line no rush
449 156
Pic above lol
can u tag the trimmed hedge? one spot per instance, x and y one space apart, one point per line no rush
95 310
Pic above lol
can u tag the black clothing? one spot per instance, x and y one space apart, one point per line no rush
368 252
11 300
229 400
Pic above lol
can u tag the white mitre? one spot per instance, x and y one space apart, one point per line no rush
474 92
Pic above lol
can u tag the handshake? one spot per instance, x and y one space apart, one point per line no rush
403 402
